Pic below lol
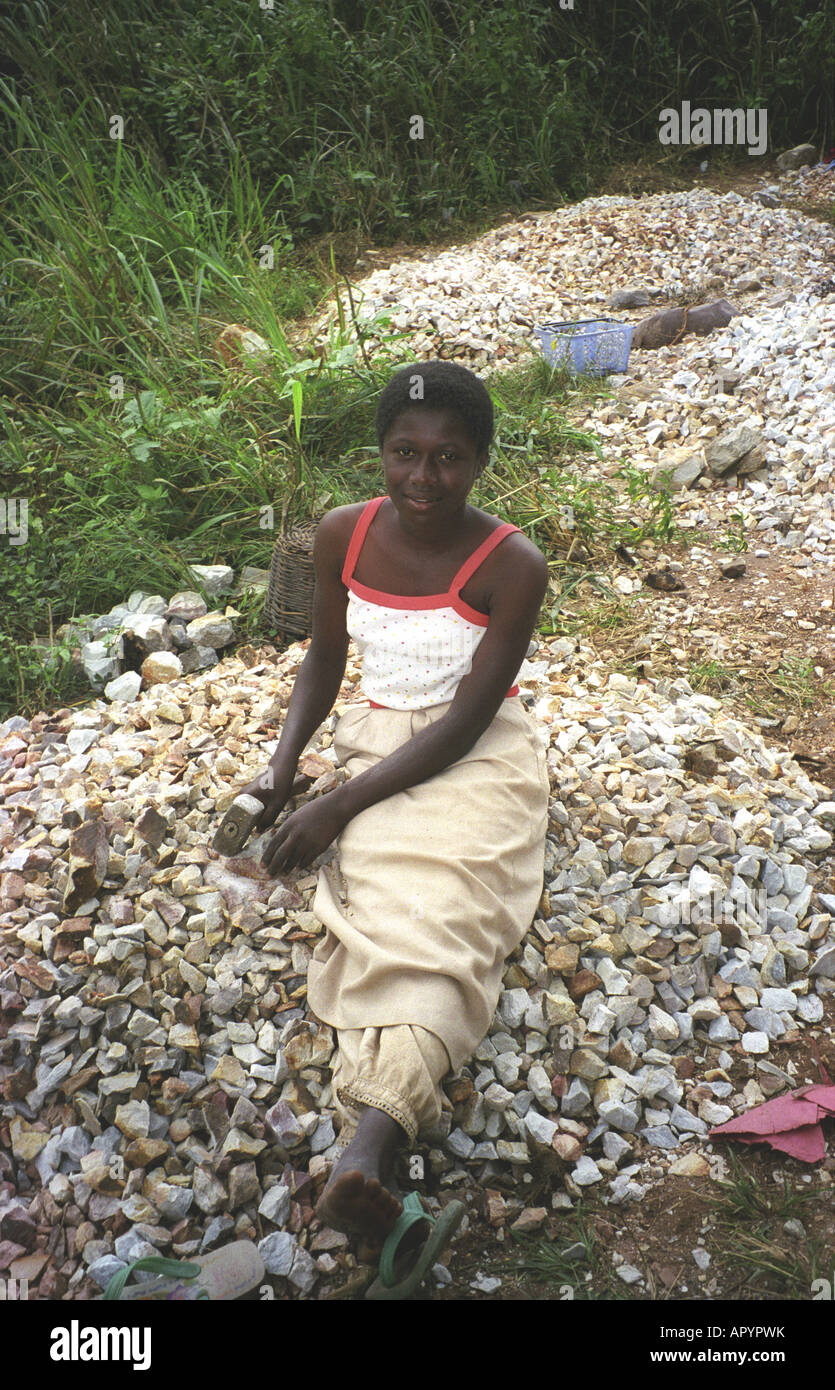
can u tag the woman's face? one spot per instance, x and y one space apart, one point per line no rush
430 463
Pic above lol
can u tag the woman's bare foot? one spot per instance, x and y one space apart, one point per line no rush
361 1197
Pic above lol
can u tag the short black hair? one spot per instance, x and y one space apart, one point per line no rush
442 386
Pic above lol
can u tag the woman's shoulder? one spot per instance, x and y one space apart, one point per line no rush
340 518
334 531
487 520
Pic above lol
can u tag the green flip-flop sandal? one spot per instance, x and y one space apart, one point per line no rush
387 1285
227 1273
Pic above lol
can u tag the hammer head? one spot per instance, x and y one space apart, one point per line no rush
236 826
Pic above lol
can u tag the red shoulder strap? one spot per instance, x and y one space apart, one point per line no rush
358 535
470 566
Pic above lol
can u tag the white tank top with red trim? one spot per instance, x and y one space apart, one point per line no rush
414 650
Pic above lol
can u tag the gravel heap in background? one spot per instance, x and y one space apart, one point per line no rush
480 302
741 404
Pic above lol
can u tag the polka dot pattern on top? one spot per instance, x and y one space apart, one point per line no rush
414 651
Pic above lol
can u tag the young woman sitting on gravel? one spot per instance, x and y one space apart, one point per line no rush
441 822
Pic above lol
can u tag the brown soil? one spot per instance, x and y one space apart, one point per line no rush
766 666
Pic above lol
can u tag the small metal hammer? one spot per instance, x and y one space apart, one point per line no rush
236 826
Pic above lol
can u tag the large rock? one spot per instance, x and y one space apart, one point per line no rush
275 1206
691 1165
134 1119
682 475
628 299
214 579
152 827
209 1193
278 1252
108 622
186 605
147 633
671 325
76 632
99 664
797 157
752 462
125 687
198 659
243 1185
89 854
17 1225
824 964
725 453
566 1147
213 630
283 1124
154 604
161 667
540 1130
283 1256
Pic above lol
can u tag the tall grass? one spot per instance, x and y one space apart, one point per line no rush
109 267
519 100
320 94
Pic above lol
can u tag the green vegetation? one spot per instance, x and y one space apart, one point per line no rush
749 1238
254 139
793 687
578 1268
709 677
734 537
796 683
520 100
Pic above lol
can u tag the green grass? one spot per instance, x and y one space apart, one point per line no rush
734 538
321 95
521 103
795 681
793 687
576 1267
749 1239
710 677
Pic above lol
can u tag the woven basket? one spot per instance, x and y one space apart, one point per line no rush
288 609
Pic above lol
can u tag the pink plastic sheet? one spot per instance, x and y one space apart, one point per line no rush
790 1123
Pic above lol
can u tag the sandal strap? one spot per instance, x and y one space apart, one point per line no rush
154 1264
413 1211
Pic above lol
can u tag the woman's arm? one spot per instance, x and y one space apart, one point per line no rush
519 578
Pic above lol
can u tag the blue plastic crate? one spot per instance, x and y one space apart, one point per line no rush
597 346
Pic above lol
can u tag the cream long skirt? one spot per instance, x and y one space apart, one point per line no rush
432 888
